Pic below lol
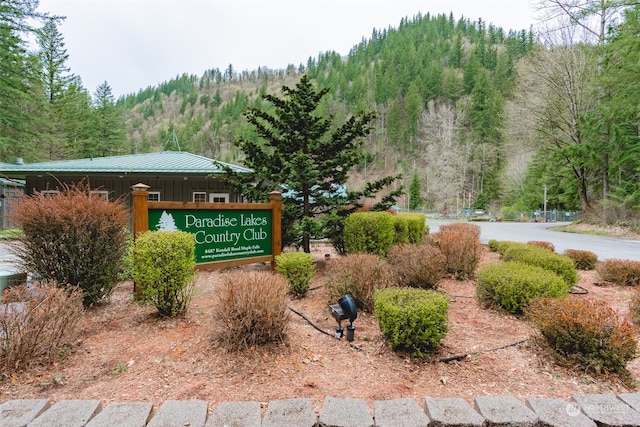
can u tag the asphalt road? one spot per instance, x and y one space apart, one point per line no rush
604 247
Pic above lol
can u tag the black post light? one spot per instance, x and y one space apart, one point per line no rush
345 309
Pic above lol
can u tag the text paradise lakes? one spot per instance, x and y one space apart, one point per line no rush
236 228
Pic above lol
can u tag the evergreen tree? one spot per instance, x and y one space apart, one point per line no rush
415 199
109 124
310 157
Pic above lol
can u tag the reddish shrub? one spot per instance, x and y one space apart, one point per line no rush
460 244
417 266
584 331
620 271
542 244
584 260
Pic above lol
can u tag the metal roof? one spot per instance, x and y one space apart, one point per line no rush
161 162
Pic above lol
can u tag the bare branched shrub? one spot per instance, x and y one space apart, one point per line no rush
251 309
37 323
359 275
620 271
417 266
460 244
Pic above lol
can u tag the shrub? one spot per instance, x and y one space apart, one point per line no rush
251 309
634 307
584 331
412 319
298 268
74 238
359 275
493 245
583 260
164 269
542 244
417 226
369 232
460 245
37 324
512 285
620 271
541 257
401 229
417 266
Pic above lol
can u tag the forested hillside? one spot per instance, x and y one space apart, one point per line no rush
471 116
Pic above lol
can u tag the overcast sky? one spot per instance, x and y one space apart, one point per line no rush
133 44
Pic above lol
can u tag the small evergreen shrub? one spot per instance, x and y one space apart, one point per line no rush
584 331
401 229
503 246
460 245
37 324
417 266
298 268
417 226
583 260
369 232
619 271
251 309
562 265
512 285
359 275
164 270
412 319
542 244
74 238
493 245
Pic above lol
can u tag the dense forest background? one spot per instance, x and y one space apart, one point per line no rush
470 115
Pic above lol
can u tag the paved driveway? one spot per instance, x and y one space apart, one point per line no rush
604 247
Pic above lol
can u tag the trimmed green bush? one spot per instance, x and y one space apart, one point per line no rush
542 244
164 269
538 256
417 226
583 260
401 229
298 268
251 309
73 238
417 266
359 275
512 285
620 271
369 232
412 319
502 246
586 332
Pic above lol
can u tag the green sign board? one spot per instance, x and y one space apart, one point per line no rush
220 235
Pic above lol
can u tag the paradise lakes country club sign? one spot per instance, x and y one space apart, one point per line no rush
219 235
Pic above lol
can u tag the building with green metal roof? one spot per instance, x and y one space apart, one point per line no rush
170 175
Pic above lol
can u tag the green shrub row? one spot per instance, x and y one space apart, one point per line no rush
375 232
412 319
511 285
538 256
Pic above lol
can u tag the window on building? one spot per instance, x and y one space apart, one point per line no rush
101 193
199 196
49 192
154 196
218 198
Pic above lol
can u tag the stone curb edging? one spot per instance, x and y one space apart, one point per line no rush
583 410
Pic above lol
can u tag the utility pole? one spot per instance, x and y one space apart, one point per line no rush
545 203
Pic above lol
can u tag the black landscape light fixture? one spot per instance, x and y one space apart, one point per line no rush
343 310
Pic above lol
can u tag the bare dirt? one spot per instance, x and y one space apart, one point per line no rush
126 353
